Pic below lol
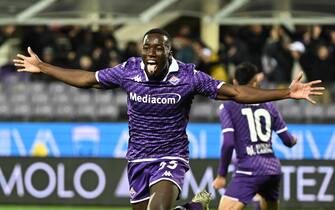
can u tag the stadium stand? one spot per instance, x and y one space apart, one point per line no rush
27 97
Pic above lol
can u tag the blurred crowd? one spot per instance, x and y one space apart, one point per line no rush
277 51
68 46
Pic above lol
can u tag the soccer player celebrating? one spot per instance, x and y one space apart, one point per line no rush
248 128
160 91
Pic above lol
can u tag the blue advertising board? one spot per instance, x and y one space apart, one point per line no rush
111 139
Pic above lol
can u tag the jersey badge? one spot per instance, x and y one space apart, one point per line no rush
174 80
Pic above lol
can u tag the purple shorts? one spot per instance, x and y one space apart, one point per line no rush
243 187
142 175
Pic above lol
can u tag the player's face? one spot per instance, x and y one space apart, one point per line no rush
155 55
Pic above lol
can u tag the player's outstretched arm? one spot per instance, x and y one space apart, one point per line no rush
74 77
247 94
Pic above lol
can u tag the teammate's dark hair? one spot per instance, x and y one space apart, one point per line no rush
158 31
245 72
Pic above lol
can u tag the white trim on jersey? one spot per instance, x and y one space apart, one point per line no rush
171 180
173 66
244 172
281 130
232 198
220 85
137 201
161 158
227 130
97 76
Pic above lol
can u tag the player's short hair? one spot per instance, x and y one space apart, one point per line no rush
158 31
245 72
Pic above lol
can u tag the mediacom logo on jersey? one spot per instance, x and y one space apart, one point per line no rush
162 98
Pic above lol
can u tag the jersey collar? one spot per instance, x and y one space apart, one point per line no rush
172 68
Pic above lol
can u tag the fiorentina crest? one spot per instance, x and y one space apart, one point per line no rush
174 80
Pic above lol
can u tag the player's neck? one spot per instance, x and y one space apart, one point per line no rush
163 73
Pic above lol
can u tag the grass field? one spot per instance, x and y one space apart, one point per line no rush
15 207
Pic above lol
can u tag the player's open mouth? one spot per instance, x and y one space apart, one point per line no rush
151 66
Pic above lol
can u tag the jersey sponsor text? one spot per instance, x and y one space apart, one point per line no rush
163 98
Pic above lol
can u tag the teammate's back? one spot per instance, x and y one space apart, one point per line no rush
248 129
252 125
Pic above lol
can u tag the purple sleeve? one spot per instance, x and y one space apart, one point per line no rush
228 139
226 153
279 126
205 85
110 77
225 118
287 138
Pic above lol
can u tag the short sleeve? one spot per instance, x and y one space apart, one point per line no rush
279 124
110 77
225 119
205 85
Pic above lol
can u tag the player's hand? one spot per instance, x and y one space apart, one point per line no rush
28 63
219 182
299 90
294 142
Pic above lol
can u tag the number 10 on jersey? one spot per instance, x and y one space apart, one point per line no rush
255 124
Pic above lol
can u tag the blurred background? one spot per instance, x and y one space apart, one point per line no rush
48 129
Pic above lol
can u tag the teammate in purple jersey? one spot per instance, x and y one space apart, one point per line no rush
160 91
248 128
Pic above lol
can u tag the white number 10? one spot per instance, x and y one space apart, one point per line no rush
255 126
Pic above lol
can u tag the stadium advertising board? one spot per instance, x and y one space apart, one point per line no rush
103 181
61 181
111 140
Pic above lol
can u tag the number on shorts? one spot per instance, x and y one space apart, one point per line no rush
171 164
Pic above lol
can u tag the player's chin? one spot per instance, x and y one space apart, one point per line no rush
151 74
152 71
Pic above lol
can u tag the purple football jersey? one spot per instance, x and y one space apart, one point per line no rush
158 110
252 125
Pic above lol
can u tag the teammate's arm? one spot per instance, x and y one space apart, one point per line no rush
247 94
279 126
226 155
288 139
74 77
227 145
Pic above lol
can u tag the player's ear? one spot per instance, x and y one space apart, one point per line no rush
257 79
170 54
